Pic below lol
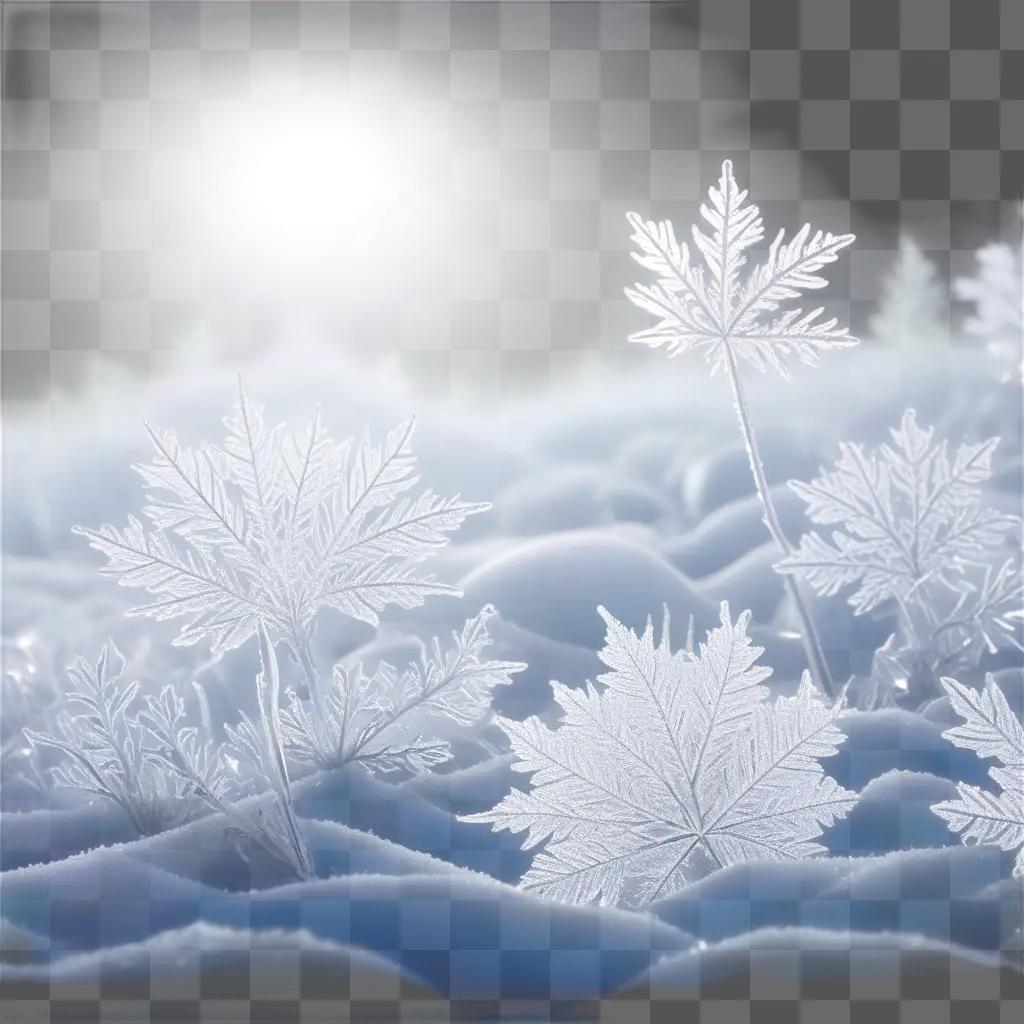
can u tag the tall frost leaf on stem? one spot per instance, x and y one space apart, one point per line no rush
673 764
104 749
272 526
908 526
716 310
991 730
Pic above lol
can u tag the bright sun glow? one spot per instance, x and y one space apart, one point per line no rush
301 190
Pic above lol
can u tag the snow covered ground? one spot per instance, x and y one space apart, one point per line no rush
635 499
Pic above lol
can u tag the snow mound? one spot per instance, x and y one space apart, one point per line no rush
438 926
261 970
723 476
894 812
775 967
41 836
748 582
950 895
552 585
893 739
730 531
570 497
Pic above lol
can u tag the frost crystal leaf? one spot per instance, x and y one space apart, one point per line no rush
990 729
273 526
104 749
907 516
674 764
997 292
198 762
713 308
367 712
911 313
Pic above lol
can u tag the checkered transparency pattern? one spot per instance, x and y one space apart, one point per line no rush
477 942
554 119
795 982
551 120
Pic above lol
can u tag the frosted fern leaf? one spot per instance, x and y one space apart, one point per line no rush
990 729
366 713
907 517
105 752
200 764
997 293
273 526
713 308
674 764
911 314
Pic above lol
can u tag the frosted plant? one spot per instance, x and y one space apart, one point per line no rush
256 537
366 712
990 729
909 527
103 749
213 774
675 764
272 526
201 765
912 312
909 515
997 292
152 763
714 310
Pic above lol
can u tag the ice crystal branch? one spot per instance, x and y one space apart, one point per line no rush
211 773
715 310
676 763
196 761
104 750
158 768
909 526
909 514
991 730
367 712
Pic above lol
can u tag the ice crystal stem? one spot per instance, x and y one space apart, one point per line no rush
269 687
299 642
809 635
242 822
